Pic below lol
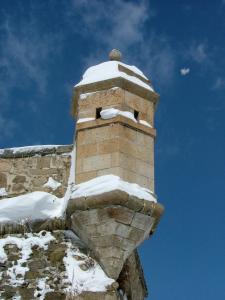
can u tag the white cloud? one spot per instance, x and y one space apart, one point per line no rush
184 71
199 52
7 126
219 83
122 25
117 25
24 53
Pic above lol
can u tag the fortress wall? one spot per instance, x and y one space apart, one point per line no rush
27 171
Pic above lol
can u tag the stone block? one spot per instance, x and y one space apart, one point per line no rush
19 179
18 188
97 296
43 162
109 252
122 230
88 217
5 165
87 113
120 214
3 180
136 235
86 150
96 162
82 177
108 146
115 171
136 102
142 221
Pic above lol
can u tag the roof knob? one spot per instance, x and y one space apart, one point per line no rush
115 55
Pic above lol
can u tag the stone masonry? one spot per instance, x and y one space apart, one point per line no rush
99 230
27 171
117 146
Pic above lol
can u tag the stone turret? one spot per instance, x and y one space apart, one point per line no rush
114 106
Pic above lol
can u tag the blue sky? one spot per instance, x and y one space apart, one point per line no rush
45 46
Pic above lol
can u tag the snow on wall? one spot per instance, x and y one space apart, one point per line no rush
30 171
107 183
67 269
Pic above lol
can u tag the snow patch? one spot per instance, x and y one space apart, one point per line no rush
143 122
3 192
36 205
25 245
29 148
93 279
52 184
85 95
71 180
81 120
113 112
108 183
42 289
109 70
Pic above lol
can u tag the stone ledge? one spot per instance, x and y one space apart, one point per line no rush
113 225
117 197
118 119
110 83
9 152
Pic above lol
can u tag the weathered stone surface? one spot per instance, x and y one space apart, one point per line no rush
3 180
131 278
47 264
112 232
28 172
97 296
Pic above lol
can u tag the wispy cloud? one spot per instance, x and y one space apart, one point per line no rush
7 127
119 24
198 52
25 52
122 25
219 83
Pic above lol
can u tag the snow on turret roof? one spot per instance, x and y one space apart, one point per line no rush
109 70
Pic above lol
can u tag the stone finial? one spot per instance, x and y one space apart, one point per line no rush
115 55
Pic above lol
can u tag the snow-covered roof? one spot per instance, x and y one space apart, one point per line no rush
111 69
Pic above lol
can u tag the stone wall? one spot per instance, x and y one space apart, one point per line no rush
43 273
115 149
131 279
27 170
118 145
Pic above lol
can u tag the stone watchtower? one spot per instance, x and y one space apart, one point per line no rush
122 145
114 106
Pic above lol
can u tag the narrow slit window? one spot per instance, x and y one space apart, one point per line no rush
136 113
98 112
